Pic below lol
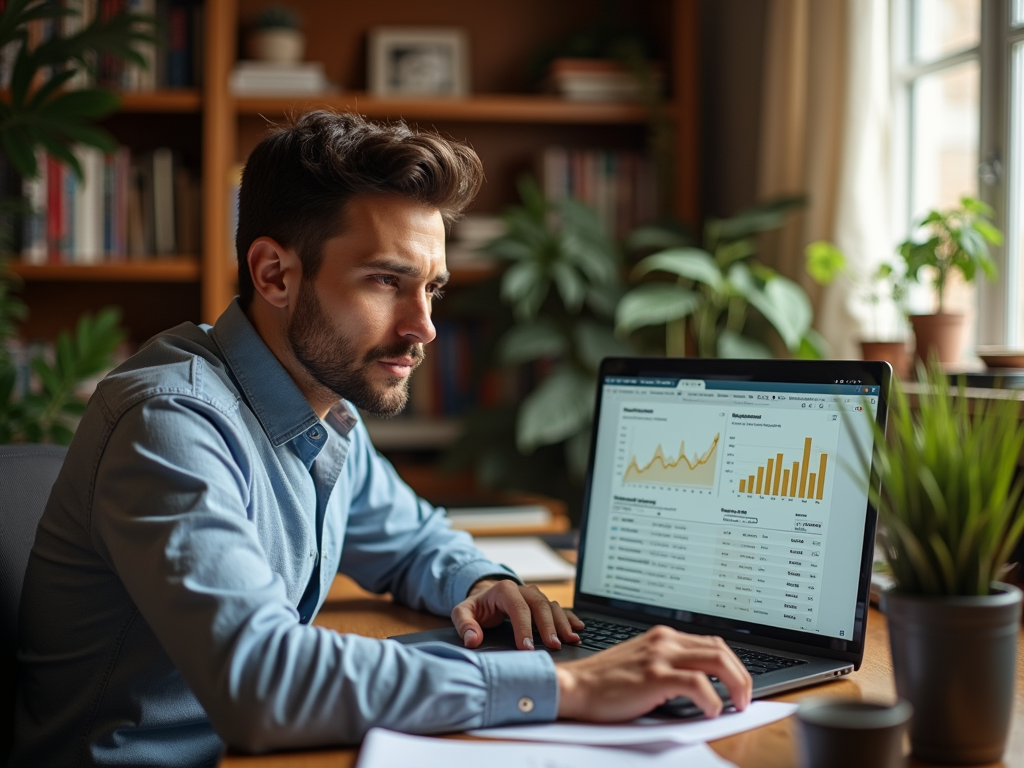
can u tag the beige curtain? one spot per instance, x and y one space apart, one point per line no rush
824 135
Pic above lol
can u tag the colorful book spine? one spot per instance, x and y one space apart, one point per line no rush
619 185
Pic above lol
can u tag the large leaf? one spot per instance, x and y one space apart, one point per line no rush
735 346
652 236
559 408
782 302
760 218
653 304
530 341
690 263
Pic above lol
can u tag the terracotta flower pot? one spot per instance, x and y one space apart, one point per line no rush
941 335
893 352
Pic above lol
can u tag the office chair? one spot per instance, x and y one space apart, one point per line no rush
27 473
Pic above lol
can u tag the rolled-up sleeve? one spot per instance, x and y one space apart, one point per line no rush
171 516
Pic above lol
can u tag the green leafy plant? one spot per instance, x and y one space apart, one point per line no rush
38 110
886 285
957 241
562 285
946 488
720 292
50 413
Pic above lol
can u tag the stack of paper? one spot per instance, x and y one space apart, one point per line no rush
387 749
269 78
646 743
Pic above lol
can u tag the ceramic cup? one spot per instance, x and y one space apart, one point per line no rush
844 733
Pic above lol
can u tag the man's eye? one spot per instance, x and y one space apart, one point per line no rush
386 279
436 294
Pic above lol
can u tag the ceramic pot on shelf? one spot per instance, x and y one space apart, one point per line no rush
954 659
941 334
280 45
893 352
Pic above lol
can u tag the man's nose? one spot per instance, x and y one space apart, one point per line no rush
416 324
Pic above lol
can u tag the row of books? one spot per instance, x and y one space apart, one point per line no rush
621 185
125 206
174 60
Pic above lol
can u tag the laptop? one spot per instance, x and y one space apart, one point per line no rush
726 497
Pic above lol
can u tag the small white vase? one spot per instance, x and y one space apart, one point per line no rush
279 45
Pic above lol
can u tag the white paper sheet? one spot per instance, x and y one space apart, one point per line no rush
647 730
528 556
387 749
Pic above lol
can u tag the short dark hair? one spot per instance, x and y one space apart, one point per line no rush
297 181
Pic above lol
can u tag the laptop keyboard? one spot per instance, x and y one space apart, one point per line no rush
604 634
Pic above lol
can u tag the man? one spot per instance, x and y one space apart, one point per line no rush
218 480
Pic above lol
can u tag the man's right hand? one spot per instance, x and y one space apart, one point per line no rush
632 678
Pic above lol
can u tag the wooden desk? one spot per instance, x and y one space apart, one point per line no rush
349 609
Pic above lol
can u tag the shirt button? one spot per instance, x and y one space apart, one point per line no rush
312 554
314 433
526 705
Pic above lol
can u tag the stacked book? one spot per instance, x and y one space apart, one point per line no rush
268 78
597 80
174 60
620 185
123 207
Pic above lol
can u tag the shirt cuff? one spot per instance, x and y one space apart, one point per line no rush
468 574
521 688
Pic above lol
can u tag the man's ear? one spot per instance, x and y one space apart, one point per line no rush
276 271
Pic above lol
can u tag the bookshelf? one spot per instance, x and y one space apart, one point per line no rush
505 120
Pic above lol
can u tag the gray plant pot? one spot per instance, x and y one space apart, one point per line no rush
955 660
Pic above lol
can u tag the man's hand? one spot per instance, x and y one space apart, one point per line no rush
489 602
632 678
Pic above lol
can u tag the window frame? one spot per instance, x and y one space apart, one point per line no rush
1000 305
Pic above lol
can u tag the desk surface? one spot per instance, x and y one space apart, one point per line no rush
349 609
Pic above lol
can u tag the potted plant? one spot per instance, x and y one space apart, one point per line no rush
552 315
949 500
886 287
277 36
39 110
722 299
956 241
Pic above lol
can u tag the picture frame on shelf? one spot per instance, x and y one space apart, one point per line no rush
418 61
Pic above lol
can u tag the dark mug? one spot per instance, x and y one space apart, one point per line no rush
845 733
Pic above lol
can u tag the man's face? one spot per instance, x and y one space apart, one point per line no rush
358 328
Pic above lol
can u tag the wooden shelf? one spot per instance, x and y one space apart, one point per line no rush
169 100
488 108
174 269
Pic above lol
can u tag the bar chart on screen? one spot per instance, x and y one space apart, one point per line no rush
794 462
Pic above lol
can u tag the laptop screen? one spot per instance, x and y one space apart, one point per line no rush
735 499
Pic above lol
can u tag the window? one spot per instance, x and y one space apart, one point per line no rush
958 74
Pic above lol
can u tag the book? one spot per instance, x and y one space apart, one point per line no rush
597 80
163 202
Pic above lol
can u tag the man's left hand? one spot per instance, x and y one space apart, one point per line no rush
489 602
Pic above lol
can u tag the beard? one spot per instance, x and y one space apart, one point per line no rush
334 362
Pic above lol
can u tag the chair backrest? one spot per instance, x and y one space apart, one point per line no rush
27 473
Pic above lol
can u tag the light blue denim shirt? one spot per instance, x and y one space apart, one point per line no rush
159 617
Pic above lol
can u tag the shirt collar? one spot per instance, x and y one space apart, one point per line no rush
273 396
